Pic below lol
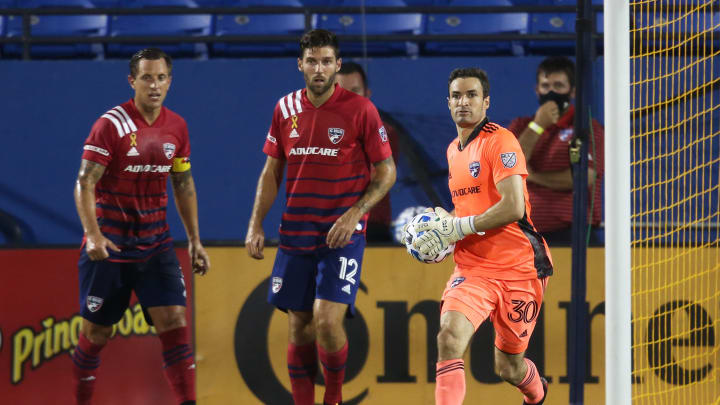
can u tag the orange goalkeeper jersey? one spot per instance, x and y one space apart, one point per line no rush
511 252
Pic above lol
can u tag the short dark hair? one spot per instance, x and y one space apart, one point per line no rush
471 72
348 68
149 54
317 39
557 64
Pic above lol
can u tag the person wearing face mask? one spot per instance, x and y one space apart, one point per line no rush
545 140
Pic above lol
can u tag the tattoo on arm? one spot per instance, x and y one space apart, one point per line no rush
183 183
379 184
90 173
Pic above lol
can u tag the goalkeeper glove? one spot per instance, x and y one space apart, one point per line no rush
443 231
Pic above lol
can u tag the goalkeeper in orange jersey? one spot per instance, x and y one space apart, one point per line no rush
501 274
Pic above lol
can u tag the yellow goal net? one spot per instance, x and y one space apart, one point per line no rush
674 183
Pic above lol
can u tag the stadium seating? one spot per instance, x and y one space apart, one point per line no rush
489 23
375 24
259 24
160 25
54 25
552 23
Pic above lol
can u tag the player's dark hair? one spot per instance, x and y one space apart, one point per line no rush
471 72
318 39
558 64
348 68
149 54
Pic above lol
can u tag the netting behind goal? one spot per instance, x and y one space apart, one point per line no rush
674 190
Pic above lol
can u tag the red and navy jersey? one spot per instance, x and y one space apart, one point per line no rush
329 151
131 197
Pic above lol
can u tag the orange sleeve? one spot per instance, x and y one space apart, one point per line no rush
505 156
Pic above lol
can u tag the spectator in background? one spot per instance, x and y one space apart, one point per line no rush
352 77
545 141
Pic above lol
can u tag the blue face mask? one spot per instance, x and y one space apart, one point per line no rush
562 100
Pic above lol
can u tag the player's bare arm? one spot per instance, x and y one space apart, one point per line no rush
267 189
96 244
509 209
560 180
382 180
186 203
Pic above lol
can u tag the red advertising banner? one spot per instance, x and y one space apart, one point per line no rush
39 325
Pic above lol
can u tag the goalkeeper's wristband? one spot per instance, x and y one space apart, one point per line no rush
536 128
465 225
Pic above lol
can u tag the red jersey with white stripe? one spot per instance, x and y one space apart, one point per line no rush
329 151
131 197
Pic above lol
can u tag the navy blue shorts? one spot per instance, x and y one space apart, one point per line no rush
105 287
329 274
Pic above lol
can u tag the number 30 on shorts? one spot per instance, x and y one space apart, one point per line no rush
525 311
345 265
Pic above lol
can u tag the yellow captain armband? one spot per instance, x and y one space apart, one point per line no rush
181 164
536 128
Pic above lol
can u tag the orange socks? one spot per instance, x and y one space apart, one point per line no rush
531 386
450 382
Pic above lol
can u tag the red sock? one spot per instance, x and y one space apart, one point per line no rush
450 382
302 367
179 364
86 361
531 386
334 372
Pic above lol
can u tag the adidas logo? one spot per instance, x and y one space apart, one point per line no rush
294 134
346 289
90 378
524 334
133 152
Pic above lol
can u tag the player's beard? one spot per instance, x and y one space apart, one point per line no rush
324 89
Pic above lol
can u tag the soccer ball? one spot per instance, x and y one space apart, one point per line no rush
410 235
407 215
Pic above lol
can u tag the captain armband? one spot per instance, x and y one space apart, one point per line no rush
181 164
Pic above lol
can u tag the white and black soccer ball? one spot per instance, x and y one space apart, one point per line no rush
410 235
403 219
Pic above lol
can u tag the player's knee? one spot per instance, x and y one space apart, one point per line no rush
97 334
508 370
449 344
327 326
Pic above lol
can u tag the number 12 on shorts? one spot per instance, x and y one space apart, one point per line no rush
346 264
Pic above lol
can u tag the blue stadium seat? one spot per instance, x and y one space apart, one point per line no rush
106 3
427 2
318 3
260 24
375 24
53 26
160 25
552 23
494 23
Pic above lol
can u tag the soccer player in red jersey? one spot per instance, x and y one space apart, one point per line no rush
121 200
502 263
328 138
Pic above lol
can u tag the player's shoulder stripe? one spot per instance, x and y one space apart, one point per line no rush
491 127
127 118
121 120
290 104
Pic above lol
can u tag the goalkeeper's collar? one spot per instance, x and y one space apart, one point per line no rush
474 133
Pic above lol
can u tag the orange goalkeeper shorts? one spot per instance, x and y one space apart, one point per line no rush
512 305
